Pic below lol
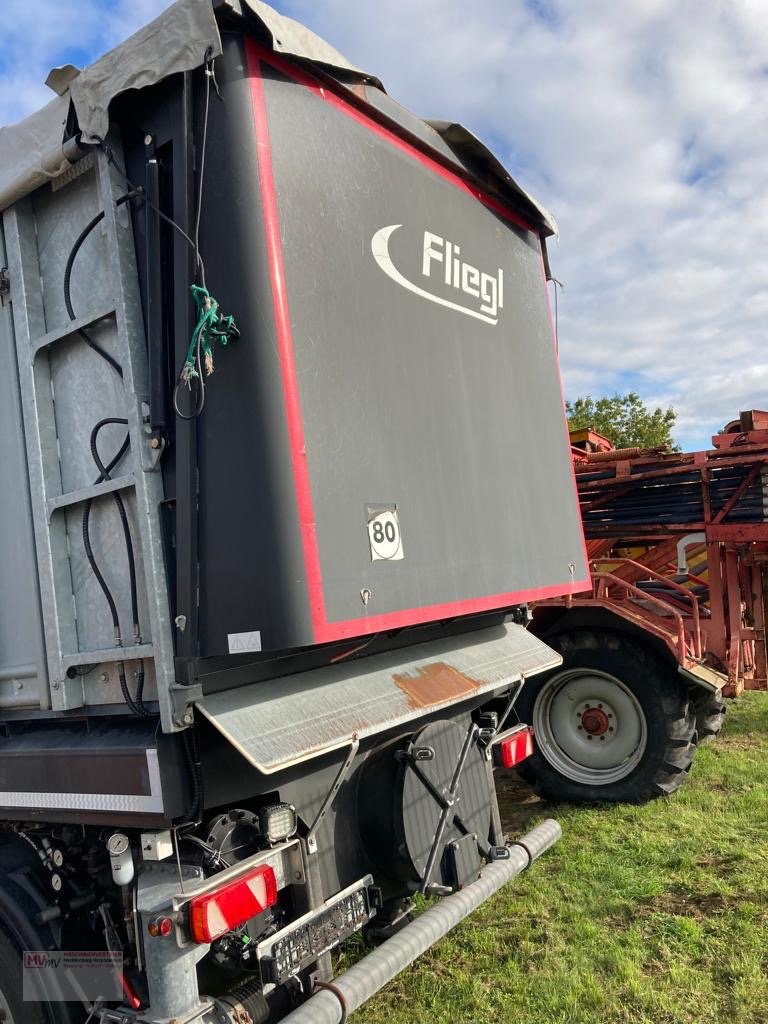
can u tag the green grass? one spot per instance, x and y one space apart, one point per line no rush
640 915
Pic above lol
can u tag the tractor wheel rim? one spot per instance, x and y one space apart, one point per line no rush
590 727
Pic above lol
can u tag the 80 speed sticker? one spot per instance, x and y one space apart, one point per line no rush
384 535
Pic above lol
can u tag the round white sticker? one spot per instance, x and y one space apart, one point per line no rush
384 536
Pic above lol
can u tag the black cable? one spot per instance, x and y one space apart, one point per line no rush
136 705
140 688
138 192
198 212
68 283
193 762
67 297
213 855
120 453
104 471
138 709
120 506
200 402
97 572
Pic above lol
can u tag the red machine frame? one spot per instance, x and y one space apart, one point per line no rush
713 622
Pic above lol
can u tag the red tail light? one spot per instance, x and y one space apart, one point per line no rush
514 748
215 913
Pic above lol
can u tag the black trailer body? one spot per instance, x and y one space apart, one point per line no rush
252 623
395 334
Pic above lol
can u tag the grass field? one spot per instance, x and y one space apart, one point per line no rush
655 914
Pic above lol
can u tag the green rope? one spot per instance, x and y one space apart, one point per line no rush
211 327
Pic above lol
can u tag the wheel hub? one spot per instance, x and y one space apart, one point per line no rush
589 726
594 721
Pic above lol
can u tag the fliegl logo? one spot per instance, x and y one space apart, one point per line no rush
478 294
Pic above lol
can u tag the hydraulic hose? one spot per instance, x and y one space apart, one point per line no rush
104 472
68 282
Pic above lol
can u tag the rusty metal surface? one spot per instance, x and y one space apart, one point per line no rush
433 684
710 608
284 721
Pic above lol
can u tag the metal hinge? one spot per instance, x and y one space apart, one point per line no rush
5 285
183 699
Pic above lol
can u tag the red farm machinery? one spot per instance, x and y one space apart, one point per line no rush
674 621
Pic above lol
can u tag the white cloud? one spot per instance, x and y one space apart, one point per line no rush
640 124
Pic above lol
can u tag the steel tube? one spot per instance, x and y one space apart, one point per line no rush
365 978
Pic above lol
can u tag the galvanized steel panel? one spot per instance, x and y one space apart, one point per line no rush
284 721
64 389
22 657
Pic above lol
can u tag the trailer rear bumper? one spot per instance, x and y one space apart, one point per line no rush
362 981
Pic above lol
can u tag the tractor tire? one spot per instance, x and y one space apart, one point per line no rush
13 1008
19 906
612 724
710 718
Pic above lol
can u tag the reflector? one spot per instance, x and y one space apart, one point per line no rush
213 914
514 748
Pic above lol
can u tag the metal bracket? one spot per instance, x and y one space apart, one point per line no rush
499 853
183 699
513 694
415 754
5 285
446 801
153 453
331 795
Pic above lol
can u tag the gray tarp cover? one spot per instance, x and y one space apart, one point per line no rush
31 151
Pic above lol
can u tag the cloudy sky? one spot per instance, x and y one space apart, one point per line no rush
641 125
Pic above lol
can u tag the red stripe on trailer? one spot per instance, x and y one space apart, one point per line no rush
285 345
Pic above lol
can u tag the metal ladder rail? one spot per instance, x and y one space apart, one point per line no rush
33 343
148 483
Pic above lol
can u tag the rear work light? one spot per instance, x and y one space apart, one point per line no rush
213 914
514 747
277 822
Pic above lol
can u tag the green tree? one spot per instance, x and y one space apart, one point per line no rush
624 419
